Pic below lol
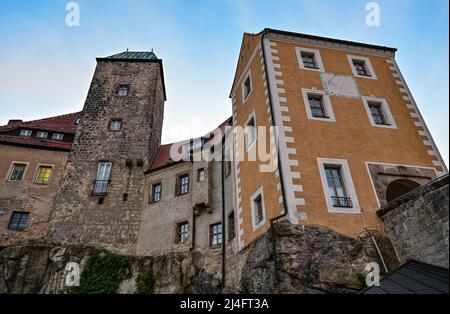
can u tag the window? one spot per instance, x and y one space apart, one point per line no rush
231 227
102 179
309 59
17 172
26 133
115 125
77 121
317 105
361 67
42 134
43 174
215 234
338 186
122 90
182 232
201 174
250 130
19 221
378 112
246 87
156 193
58 136
258 209
183 184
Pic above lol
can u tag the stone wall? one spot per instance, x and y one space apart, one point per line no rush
113 220
417 223
27 195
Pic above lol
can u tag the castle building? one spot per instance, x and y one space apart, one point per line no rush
346 133
33 155
344 136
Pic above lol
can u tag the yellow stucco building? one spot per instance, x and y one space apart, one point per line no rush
348 135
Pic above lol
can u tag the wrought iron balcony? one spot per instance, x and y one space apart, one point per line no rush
342 201
100 187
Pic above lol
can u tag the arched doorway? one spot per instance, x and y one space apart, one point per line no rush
399 187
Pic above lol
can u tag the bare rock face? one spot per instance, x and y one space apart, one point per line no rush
312 259
41 269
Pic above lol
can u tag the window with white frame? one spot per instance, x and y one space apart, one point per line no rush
42 134
17 172
250 130
182 232
103 178
361 67
26 133
309 59
378 112
58 136
258 209
317 105
43 174
338 186
246 86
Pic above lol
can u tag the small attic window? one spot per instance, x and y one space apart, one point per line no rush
77 121
122 90
26 133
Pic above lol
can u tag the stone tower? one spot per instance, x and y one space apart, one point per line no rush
101 195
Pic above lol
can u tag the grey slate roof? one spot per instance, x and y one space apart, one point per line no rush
133 55
413 277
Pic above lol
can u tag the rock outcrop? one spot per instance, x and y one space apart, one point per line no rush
312 259
41 268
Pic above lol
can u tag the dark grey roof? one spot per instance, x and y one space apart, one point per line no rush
413 277
133 55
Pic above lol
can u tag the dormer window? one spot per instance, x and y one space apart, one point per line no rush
42 134
57 136
77 121
122 90
26 133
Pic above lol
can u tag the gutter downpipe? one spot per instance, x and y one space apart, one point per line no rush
375 243
283 191
223 212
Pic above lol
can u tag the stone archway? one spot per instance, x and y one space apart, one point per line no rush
399 187
383 175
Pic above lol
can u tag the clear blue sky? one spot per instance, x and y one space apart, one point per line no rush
46 67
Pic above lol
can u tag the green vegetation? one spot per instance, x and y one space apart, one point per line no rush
145 283
361 278
102 274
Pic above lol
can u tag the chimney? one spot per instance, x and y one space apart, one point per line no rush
15 122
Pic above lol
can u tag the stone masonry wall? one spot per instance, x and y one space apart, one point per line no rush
417 223
77 215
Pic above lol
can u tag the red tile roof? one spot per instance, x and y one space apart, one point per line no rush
35 142
63 124
163 159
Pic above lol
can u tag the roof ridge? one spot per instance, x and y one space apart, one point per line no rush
54 117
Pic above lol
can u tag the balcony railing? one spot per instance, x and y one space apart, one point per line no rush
100 187
342 201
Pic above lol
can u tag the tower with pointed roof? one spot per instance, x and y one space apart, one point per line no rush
100 198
